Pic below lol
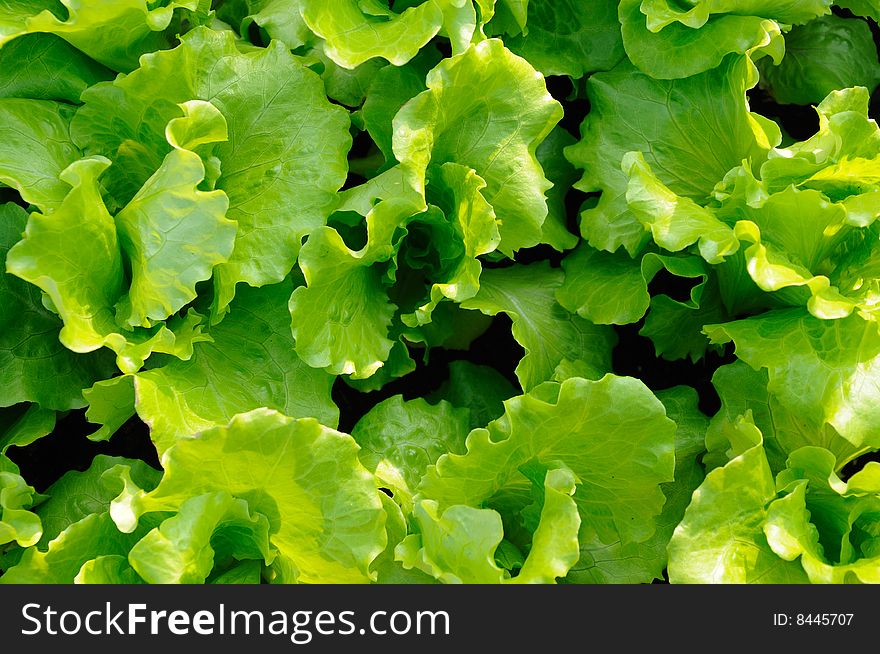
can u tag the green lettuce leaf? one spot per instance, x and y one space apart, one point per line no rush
870 8
720 539
822 56
55 69
243 572
643 562
358 31
833 160
563 176
92 537
690 131
460 192
21 425
172 233
611 288
291 144
391 88
457 546
743 390
489 110
400 439
577 424
480 389
782 259
325 516
415 258
250 363
389 570
78 529
73 255
181 550
830 524
347 86
512 15
566 37
107 569
34 365
113 32
674 222
547 332
346 331
823 371
281 19
111 403
17 523
676 327
462 544
35 147
829 181
77 495
808 526
661 13
16 13
667 42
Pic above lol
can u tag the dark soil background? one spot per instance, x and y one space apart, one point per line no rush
68 447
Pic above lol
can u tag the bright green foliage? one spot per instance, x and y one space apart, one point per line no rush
391 88
690 131
113 32
452 122
16 522
461 546
399 440
36 148
869 8
281 19
643 562
358 31
326 521
480 389
21 425
575 424
825 54
567 37
84 285
56 70
290 144
93 537
744 226
30 352
180 549
535 314
807 526
416 258
79 494
431 291
671 40
248 364
173 233
705 549
824 371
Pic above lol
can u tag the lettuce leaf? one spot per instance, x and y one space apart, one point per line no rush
292 145
468 115
668 40
547 332
292 464
824 55
572 425
691 131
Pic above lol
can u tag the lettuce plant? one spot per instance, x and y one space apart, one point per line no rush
439 291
